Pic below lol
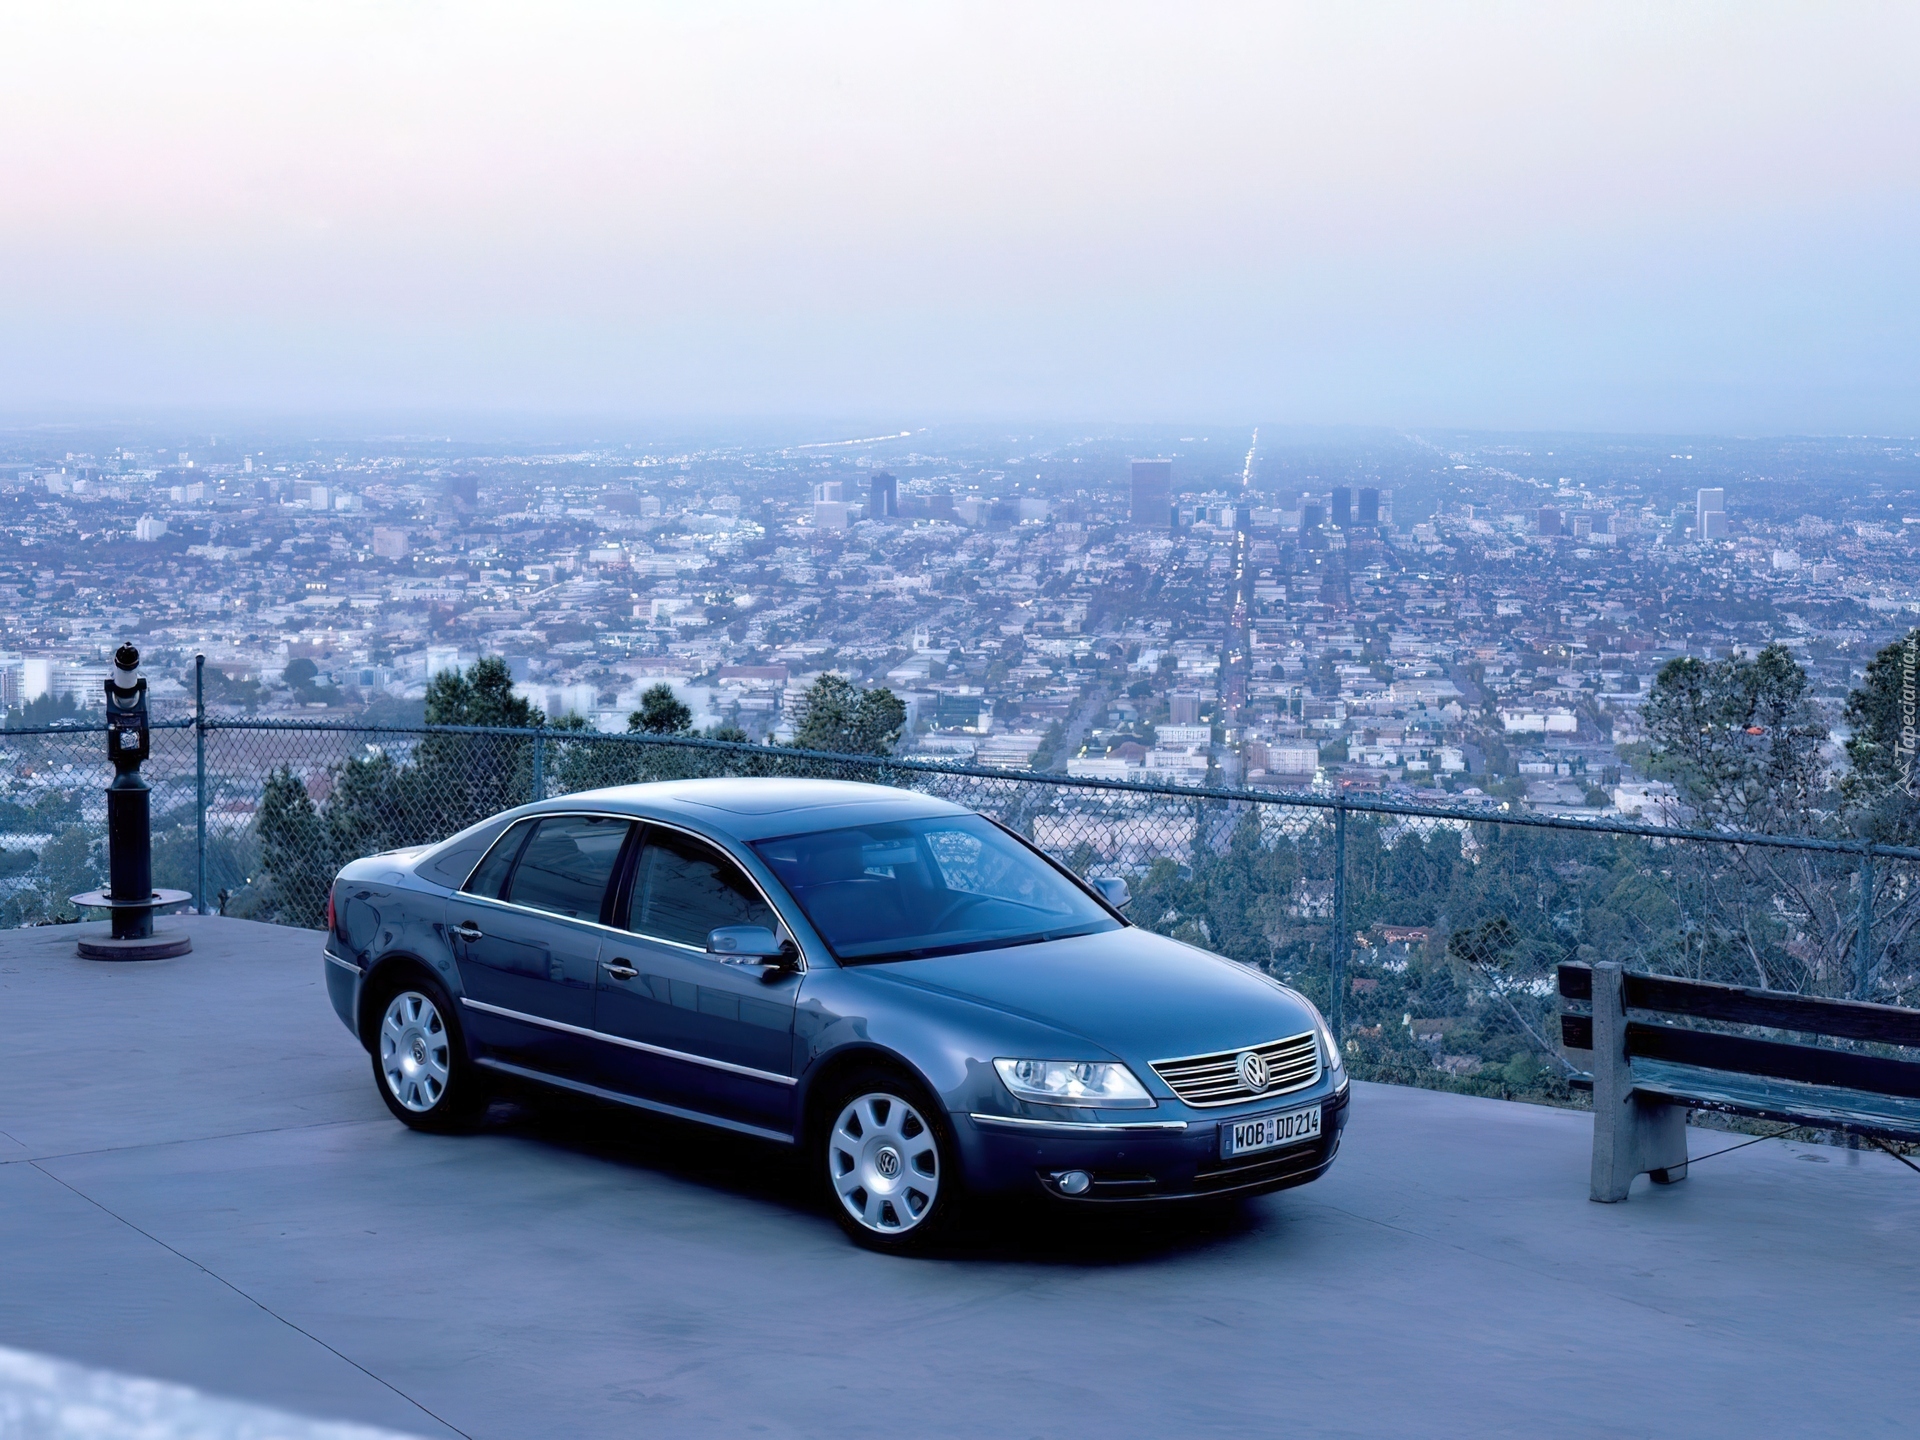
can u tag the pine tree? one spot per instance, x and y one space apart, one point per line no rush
661 713
837 717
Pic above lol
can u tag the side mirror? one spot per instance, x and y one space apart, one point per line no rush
746 942
1115 892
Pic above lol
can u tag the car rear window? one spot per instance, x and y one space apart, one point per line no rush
489 878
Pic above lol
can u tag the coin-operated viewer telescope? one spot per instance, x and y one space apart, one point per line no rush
130 898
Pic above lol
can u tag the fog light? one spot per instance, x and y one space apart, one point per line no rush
1074 1182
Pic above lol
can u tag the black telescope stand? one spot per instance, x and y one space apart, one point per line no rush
130 899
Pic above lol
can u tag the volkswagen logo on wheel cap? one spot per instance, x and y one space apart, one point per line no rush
887 1162
1253 1070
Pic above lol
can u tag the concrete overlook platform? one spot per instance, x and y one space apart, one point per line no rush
199 1184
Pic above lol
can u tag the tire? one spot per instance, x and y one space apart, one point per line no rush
420 1063
887 1160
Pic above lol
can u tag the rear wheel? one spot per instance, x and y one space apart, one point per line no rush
890 1171
420 1060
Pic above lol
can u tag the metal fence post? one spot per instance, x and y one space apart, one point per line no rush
539 764
1863 936
1336 1016
200 783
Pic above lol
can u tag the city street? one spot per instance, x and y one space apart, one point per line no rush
198 1183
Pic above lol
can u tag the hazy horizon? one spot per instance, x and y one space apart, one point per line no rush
1600 219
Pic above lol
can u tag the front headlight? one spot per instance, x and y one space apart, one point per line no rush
1327 1044
1072 1082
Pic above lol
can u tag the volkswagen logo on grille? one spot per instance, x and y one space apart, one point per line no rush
1253 1070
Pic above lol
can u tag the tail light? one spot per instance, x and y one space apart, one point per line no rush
330 925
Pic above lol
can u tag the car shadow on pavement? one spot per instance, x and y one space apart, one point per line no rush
1043 1232
1004 1231
698 1154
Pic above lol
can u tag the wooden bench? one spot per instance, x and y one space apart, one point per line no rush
1647 1074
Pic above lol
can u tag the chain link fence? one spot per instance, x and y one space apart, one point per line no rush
1429 937
53 817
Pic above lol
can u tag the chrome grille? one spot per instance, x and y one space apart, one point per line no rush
1203 1080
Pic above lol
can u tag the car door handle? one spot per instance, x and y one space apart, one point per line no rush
620 970
468 931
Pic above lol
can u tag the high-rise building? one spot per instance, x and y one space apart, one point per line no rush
1549 520
1369 505
1342 498
1710 515
883 496
1152 502
1312 516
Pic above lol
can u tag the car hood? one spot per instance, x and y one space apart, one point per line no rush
1130 992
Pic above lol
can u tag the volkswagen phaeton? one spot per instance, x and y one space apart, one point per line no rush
928 1005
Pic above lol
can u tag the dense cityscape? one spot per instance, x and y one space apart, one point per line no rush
1458 617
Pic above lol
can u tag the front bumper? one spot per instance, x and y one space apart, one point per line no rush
1142 1159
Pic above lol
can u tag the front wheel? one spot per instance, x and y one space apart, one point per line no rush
420 1061
890 1172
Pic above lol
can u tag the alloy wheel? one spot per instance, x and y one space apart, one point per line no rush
415 1051
884 1164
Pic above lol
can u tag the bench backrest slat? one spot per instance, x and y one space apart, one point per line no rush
1810 1064
1808 1014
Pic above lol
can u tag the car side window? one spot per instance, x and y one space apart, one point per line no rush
683 888
489 878
567 864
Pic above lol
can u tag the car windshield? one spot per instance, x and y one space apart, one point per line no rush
911 889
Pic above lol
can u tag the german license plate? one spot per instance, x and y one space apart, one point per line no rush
1269 1132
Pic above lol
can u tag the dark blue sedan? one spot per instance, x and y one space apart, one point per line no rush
927 1004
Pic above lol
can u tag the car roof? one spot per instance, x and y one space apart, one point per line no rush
748 809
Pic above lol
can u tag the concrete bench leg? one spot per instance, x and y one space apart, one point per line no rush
1663 1142
1631 1135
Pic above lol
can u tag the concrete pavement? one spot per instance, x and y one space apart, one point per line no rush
199 1184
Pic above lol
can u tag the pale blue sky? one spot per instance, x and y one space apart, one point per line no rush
1614 216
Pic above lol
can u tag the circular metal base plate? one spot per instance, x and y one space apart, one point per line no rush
103 900
163 944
